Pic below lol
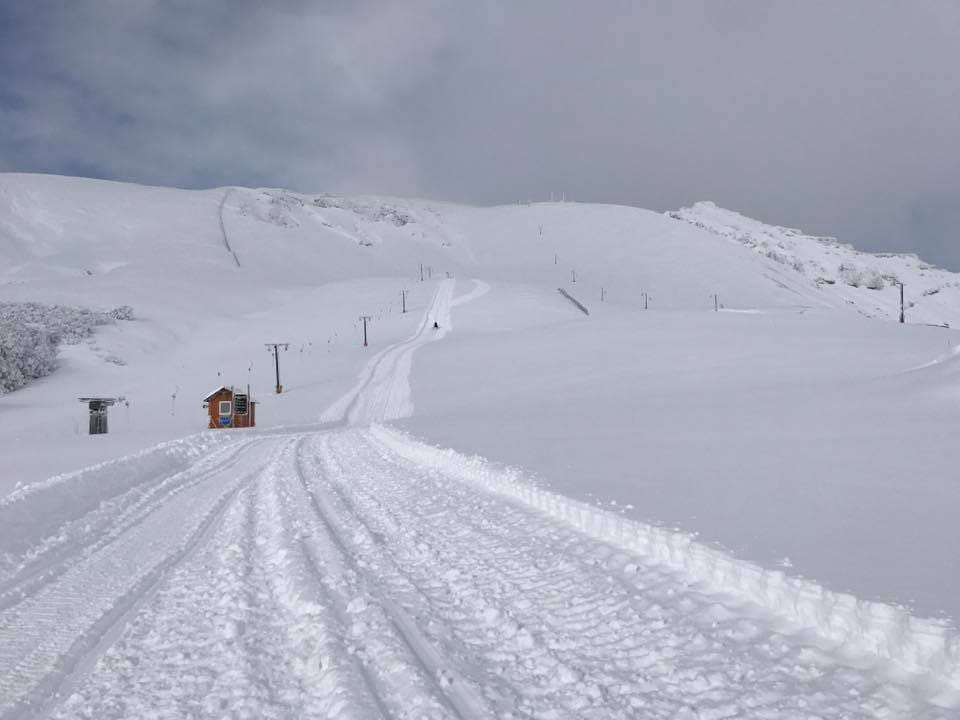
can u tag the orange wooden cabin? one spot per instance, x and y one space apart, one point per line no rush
228 408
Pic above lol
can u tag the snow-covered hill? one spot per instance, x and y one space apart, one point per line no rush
870 282
206 272
725 413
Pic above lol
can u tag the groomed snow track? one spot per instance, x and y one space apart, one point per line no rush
352 572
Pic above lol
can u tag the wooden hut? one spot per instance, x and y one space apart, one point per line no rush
228 408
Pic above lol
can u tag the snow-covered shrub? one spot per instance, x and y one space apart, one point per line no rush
850 275
122 312
873 280
30 333
25 353
776 256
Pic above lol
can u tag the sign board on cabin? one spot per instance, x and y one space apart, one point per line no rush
240 406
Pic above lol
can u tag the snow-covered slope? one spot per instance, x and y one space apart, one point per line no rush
71 236
869 282
786 461
211 275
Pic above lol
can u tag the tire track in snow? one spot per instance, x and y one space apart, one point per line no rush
383 391
52 633
430 670
46 562
585 629
480 288
347 580
273 617
235 631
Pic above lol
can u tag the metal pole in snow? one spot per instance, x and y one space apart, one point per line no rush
421 272
275 349
276 363
716 302
403 296
902 317
573 275
365 318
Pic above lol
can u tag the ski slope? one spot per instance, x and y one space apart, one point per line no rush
663 512
383 390
349 572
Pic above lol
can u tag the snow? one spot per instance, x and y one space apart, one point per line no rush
773 435
524 512
868 282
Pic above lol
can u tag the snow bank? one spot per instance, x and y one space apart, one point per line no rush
917 645
40 514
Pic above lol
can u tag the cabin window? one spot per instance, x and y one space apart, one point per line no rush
225 407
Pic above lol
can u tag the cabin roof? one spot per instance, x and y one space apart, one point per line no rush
222 388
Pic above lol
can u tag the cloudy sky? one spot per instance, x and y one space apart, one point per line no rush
842 118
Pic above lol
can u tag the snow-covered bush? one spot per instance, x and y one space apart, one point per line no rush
25 353
850 275
776 256
872 280
30 333
122 312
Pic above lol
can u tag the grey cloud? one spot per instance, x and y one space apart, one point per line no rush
840 118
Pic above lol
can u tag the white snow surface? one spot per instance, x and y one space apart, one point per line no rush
523 512
869 282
